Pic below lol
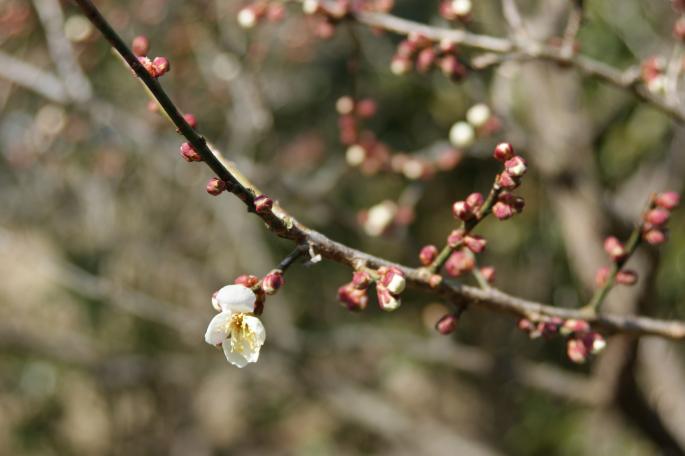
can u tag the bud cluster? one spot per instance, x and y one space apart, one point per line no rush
420 53
267 286
371 155
654 224
390 283
155 67
581 341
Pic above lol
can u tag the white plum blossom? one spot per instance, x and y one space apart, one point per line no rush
235 329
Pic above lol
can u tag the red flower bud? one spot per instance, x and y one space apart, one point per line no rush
657 216
355 300
626 277
161 66
452 67
447 324
460 262
475 200
386 300
654 236
215 186
191 119
263 204
602 276
461 210
502 211
516 166
577 351
425 60
667 200
455 238
366 108
273 281
393 280
503 152
614 248
428 254
507 181
189 154
140 46
574 327
247 280
361 280
525 325
476 244
488 273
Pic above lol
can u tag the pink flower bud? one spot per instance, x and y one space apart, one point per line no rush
263 204
435 280
355 300
476 244
614 248
273 281
679 29
525 325
140 46
516 166
393 279
215 186
447 324
419 40
475 200
452 68
667 200
455 238
462 211
594 342
488 273
361 280
654 236
502 211
366 108
161 66
386 300
428 254
574 327
401 65
275 12
626 277
147 64
460 262
405 49
657 216
191 120
246 280
602 276
503 152
425 60
507 181
577 351
189 154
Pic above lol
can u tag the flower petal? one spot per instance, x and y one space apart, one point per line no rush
235 358
218 329
236 298
247 337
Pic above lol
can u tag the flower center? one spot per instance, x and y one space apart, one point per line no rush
242 336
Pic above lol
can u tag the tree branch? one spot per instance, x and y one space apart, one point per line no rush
287 227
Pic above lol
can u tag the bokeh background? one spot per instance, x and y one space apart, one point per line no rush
110 247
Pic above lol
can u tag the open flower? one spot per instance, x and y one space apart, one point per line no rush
235 329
